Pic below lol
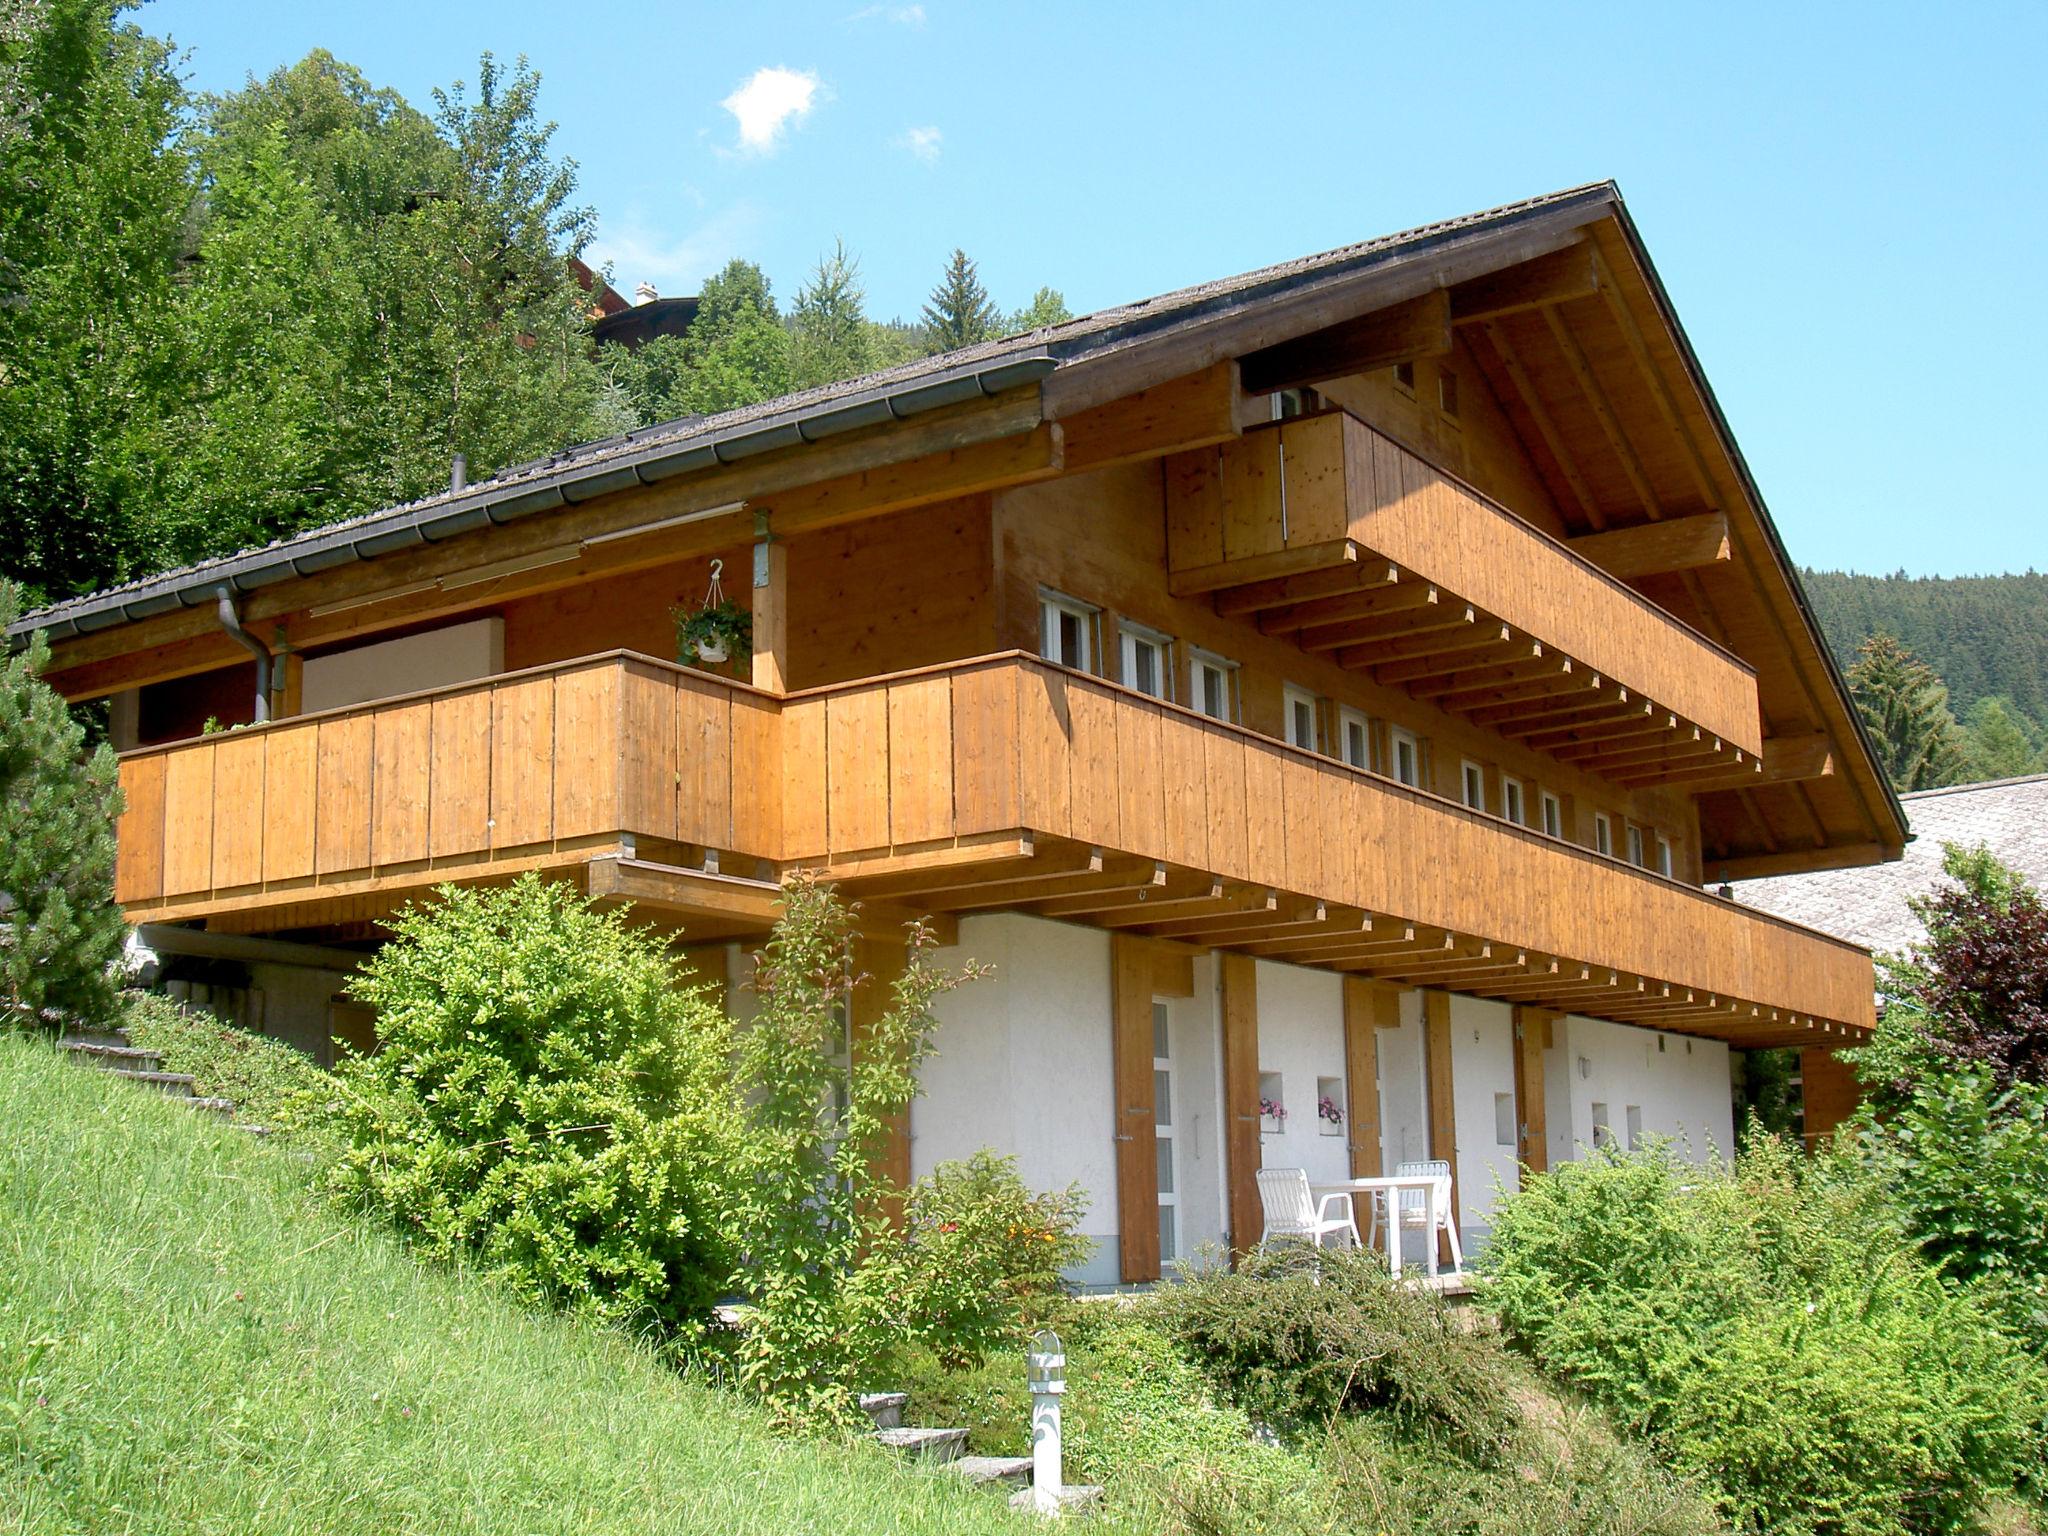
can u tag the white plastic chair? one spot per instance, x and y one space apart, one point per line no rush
1292 1211
1414 1207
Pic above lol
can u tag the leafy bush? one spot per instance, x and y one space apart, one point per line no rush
549 1097
60 931
1770 1329
272 1084
983 1255
1297 1339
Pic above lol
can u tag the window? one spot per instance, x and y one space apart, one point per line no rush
1504 1127
1553 813
1066 632
1664 856
1404 378
1635 846
1511 802
1632 1117
1603 834
1447 391
1603 1132
1354 738
1472 784
1209 685
1407 756
1163 1126
1288 403
1299 706
1144 653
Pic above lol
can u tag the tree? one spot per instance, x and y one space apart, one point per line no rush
959 312
833 339
95 199
60 930
1905 706
1996 745
1048 306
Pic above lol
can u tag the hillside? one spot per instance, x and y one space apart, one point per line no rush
1985 635
187 1345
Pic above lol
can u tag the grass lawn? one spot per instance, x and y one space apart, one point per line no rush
189 1343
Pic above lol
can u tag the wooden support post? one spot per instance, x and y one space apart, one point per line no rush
1532 1039
1830 1090
1135 1122
881 962
1241 1149
287 685
770 610
1369 1007
1443 1115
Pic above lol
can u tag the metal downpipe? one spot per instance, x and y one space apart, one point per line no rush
232 623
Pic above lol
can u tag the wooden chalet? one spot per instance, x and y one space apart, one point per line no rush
1332 686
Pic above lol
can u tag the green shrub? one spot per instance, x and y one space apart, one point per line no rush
988 1399
1298 1338
983 1255
1768 1327
272 1084
549 1097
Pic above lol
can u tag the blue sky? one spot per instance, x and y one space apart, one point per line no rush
1845 202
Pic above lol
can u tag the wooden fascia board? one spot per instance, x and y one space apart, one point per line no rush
1659 548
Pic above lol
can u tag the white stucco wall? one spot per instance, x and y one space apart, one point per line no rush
1021 1064
1301 1037
1681 1089
1482 1068
1404 1089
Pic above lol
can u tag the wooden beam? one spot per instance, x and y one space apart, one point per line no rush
1443 1112
1418 327
1532 1037
1238 979
1571 273
771 614
1381 598
1474 654
1798 861
1369 1008
1656 549
1534 669
1118 878
1330 554
1637 722
1790 759
1135 1123
1285 591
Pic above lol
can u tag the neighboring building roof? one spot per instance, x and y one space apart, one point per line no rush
694 443
1869 905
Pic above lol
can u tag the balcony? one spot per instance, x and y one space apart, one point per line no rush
997 783
1325 530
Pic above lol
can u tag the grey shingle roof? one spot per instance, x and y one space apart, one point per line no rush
682 447
1868 905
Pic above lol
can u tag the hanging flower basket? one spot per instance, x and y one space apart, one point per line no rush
715 632
1328 1109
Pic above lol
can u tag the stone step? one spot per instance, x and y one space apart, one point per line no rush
177 1084
95 1037
1072 1499
139 1057
924 1444
1011 1471
225 1108
884 1409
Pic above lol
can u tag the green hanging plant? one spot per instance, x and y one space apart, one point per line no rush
718 630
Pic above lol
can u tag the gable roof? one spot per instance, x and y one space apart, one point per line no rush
1868 905
694 443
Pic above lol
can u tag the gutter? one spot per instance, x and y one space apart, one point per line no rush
231 621
505 501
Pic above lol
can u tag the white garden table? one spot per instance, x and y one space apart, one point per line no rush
1390 1186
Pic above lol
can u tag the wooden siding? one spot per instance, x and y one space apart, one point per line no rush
1308 488
843 778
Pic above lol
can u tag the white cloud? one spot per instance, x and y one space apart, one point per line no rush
768 103
902 15
639 252
923 143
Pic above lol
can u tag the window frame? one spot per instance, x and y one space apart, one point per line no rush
1350 719
1089 618
1399 736
1549 814
1200 661
1469 774
1636 845
1291 696
1603 833
1514 800
1666 856
1129 636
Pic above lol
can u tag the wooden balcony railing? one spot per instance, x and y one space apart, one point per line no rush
1326 530
921 770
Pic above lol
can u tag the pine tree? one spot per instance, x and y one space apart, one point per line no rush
60 931
960 312
833 338
1048 306
1905 706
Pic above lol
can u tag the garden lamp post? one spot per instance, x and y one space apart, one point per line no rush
1045 1369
